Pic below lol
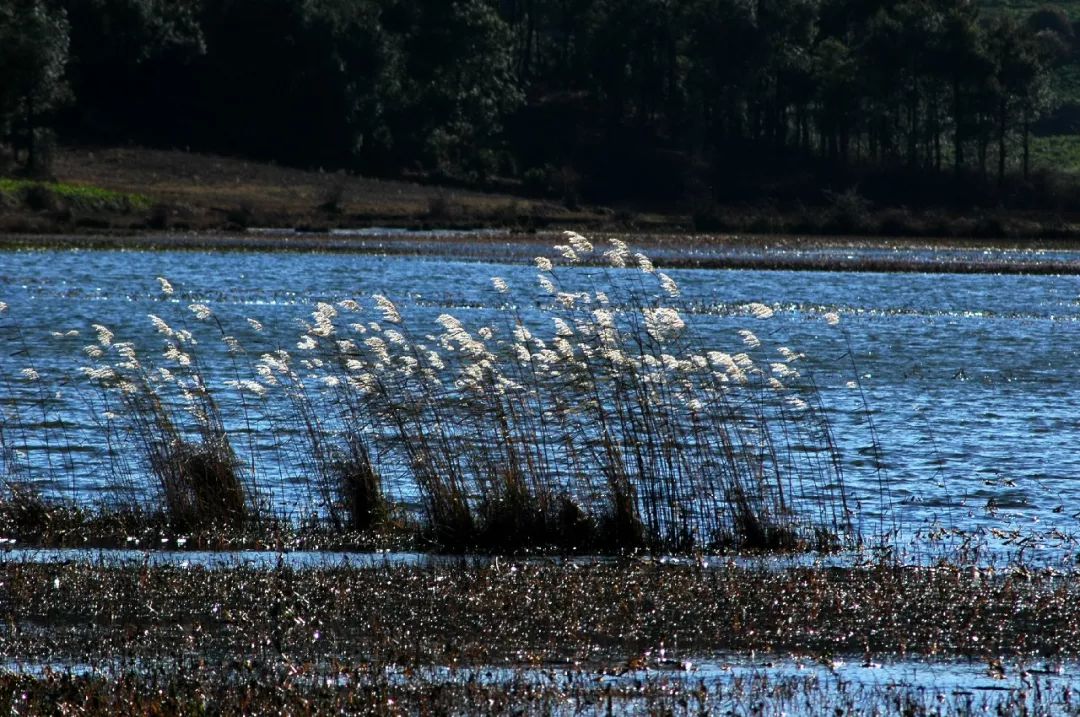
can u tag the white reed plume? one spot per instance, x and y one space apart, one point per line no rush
3 307
173 353
567 253
581 244
166 287
668 284
832 318
365 383
435 361
104 336
245 386
184 336
644 263
563 347
783 370
567 299
350 305
409 364
797 403
775 384
306 343
323 327
358 328
617 254
389 311
543 263
545 283
521 333
202 311
789 355
346 346
486 333
562 328
93 351
232 345
62 334
30 374
277 363
749 338
160 325
759 310
126 349
355 365
253 323
330 381
743 361
103 373
500 285
378 347
663 323
166 375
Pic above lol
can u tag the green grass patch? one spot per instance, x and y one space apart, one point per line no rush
80 194
1060 153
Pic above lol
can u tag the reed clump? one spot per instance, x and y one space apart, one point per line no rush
171 418
585 415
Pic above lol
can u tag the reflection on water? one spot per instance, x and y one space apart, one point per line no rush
972 381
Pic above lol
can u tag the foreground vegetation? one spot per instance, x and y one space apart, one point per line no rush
533 637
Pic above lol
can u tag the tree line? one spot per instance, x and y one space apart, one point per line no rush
602 98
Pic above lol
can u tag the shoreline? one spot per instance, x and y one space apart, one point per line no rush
676 250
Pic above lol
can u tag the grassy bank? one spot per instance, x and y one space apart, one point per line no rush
121 191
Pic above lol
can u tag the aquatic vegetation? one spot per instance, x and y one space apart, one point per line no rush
586 414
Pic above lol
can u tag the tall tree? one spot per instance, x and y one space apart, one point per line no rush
33 55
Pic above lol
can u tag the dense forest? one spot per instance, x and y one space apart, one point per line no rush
646 100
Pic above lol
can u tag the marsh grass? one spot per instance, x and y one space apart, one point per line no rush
596 421
584 415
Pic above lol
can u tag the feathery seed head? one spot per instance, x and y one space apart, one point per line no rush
500 285
567 253
166 287
749 338
760 311
160 325
255 324
668 284
644 263
350 305
201 311
663 323
30 374
562 328
306 343
832 318
617 254
543 263
580 244
104 336
389 311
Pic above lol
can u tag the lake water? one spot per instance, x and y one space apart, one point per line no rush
972 381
